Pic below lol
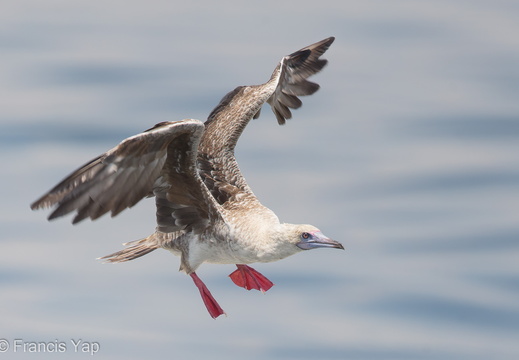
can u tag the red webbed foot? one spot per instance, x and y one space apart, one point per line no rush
248 278
210 303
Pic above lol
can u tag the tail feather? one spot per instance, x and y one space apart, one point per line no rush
134 250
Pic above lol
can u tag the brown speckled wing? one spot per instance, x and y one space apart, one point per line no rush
218 167
164 155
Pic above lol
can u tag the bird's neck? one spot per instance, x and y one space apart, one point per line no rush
277 244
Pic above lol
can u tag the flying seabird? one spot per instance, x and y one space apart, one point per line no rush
206 212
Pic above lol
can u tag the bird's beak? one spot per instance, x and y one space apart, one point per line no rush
318 240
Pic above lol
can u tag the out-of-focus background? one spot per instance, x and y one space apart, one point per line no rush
409 155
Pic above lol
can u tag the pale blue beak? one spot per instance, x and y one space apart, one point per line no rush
318 240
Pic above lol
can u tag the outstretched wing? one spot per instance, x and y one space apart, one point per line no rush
292 73
161 159
219 168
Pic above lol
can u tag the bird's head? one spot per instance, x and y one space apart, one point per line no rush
288 239
307 237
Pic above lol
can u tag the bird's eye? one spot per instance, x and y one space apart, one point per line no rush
305 235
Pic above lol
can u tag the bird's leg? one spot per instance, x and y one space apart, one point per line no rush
248 278
210 303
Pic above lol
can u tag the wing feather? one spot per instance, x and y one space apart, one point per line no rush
121 177
292 74
219 168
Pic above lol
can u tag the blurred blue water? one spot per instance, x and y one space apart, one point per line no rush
407 154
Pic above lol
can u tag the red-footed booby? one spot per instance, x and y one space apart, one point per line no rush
206 212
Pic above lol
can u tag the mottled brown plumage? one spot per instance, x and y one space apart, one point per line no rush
206 212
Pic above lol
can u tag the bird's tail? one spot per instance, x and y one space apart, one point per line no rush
133 250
